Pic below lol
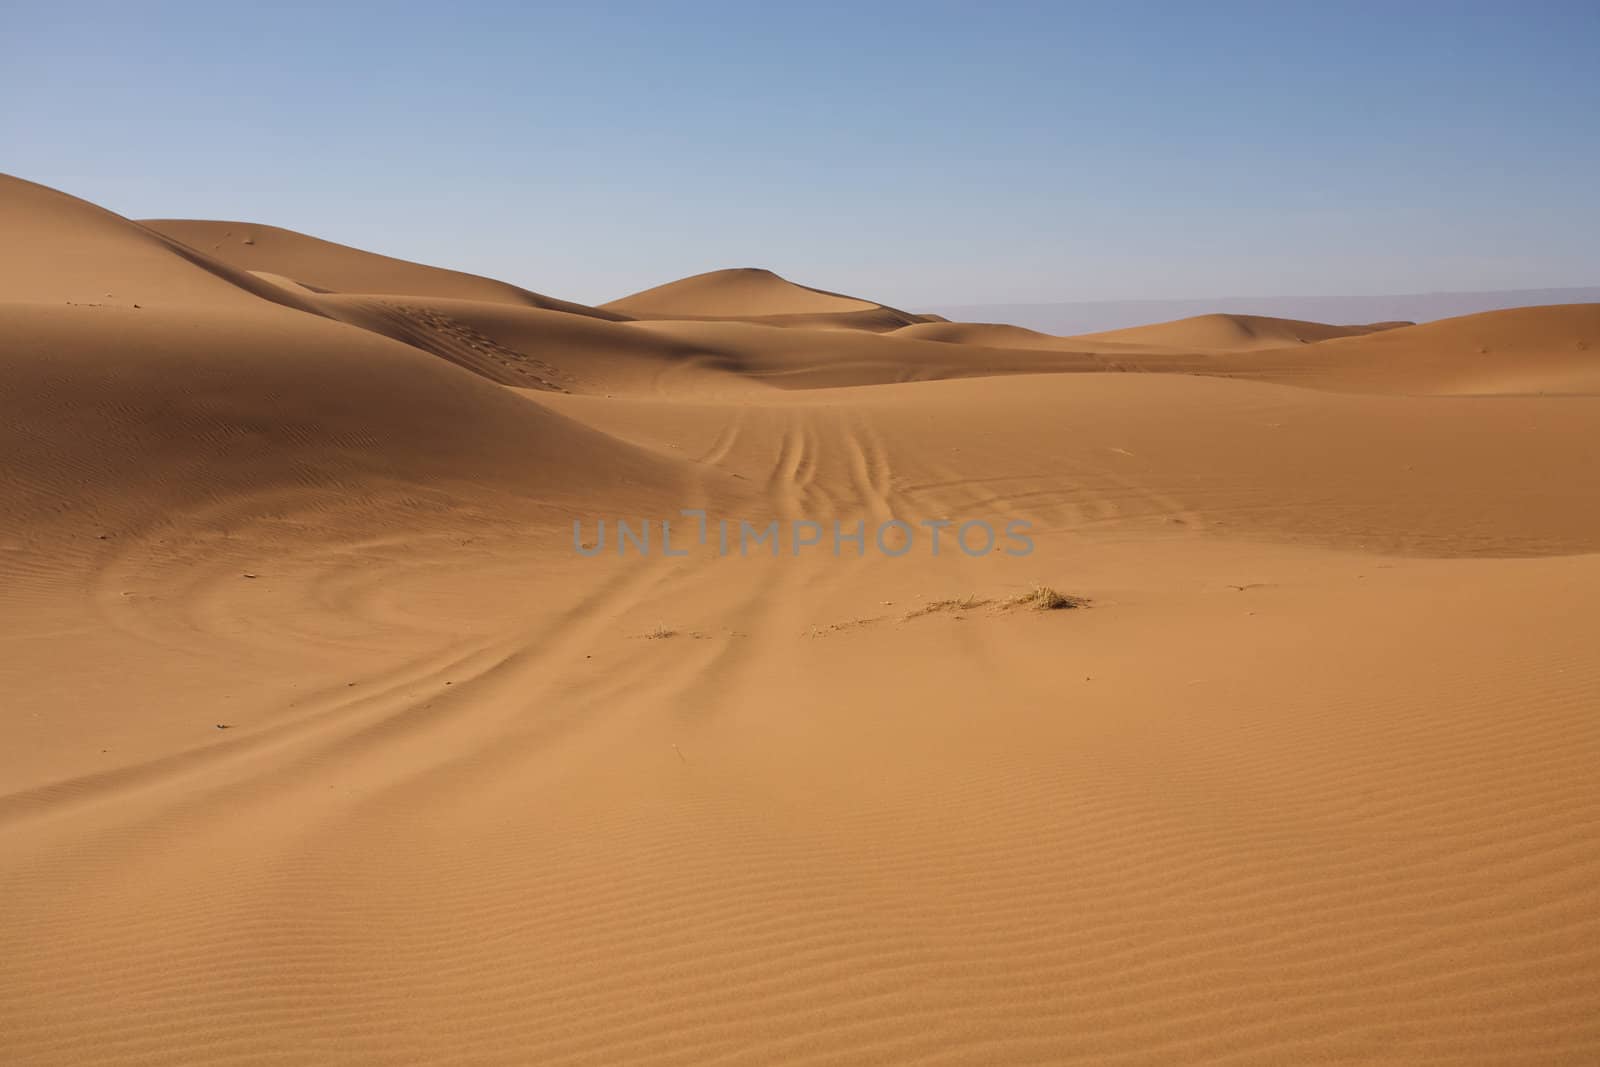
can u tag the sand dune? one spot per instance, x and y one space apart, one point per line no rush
984 334
1079 317
752 293
1520 351
322 742
1232 332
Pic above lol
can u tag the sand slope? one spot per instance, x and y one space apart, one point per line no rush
320 742
66 252
331 267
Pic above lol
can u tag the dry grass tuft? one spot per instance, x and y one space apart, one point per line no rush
1043 598
1039 598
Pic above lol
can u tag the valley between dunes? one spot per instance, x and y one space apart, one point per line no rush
321 743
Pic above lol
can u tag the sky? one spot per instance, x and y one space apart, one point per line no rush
921 154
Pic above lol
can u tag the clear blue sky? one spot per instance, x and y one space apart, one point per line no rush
918 153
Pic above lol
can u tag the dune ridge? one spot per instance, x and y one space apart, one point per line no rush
331 267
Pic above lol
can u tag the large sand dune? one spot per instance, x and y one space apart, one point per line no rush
321 743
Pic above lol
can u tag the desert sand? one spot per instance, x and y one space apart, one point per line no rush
323 743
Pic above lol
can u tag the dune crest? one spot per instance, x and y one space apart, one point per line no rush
330 267
61 250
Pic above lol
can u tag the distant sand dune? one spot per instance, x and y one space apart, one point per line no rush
1233 332
752 293
985 334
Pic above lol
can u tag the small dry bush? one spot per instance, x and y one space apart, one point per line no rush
1043 598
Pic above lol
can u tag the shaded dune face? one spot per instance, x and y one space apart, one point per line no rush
334 729
62 251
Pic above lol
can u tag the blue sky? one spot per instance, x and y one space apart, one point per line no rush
918 153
